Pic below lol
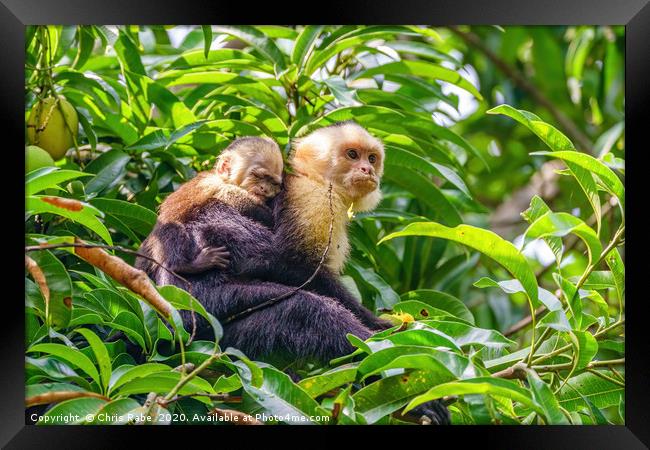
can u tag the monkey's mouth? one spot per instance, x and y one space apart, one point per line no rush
364 181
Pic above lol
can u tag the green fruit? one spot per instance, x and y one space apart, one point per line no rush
47 129
36 157
76 187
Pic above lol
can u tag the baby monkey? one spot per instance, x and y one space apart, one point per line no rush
247 174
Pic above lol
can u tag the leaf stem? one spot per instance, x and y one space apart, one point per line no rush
569 365
605 377
568 346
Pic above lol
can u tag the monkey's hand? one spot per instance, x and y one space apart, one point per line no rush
431 413
212 258
208 258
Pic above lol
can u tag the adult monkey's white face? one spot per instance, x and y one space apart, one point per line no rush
348 156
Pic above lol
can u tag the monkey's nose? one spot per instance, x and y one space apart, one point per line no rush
365 169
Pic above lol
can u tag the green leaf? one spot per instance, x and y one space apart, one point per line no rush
587 348
258 40
543 396
547 133
387 395
556 320
448 365
45 180
536 210
561 224
371 279
419 310
163 382
135 216
481 385
86 40
615 264
342 93
207 39
114 413
549 300
485 242
60 286
109 168
305 43
101 355
421 49
180 299
278 31
278 395
423 336
227 384
128 54
131 325
425 190
124 374
325 382
354 38
573 299
403 158
69 355
441 300
600 392
610 180
424 70
218 58
86 216
465 335
73 411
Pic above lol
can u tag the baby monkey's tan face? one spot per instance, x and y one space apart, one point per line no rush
255 166
262 180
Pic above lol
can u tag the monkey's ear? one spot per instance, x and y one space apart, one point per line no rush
223 165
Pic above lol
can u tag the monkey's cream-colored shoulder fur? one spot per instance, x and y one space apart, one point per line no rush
309 207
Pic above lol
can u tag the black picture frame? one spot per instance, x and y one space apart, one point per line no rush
634 14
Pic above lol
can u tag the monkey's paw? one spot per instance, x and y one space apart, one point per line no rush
214 257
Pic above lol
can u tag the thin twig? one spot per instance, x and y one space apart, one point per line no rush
569 365
515 372
288 294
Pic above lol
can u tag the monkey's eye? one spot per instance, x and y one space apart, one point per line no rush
352 153
372 159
